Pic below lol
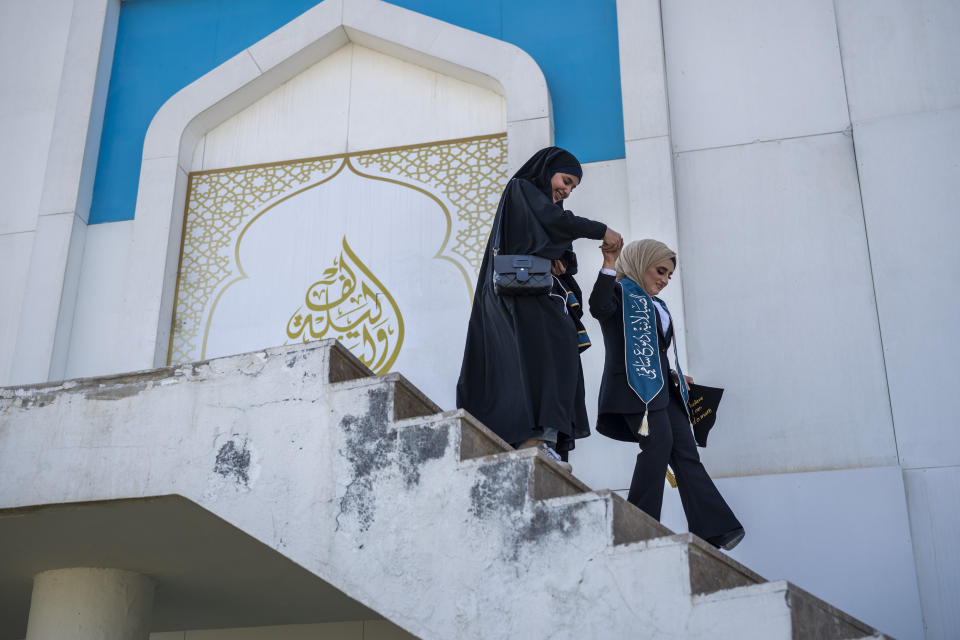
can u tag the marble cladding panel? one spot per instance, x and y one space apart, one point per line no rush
75 144
28 98
304 117
934 508
910 180
44 291
899 56
26 139
780 307
844 536
650 187
394 103
14 264
743 70
355 99
526 138
152 263
98 317
602 196
38 34
642 72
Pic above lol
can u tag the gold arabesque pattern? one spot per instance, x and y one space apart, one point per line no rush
218 204
471 175
464 176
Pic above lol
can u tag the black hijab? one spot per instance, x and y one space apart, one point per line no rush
542 165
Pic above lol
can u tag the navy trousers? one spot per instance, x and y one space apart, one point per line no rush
671 440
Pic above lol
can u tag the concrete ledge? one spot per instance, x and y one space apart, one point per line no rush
476 440
808 616
209 573
631 524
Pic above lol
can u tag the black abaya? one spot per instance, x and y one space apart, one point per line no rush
521 366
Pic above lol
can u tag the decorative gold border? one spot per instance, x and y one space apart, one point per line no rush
350 154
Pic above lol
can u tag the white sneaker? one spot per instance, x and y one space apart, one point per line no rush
553 455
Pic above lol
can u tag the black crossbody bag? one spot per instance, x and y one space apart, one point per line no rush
519 275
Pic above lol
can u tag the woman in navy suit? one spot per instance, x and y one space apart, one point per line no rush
642 400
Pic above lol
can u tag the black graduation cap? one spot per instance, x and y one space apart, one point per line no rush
703 405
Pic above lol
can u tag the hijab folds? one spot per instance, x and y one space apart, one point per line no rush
542 166
640 255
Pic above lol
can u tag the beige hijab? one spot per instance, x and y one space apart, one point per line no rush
639 255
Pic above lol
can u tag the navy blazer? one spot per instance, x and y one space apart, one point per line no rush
616 396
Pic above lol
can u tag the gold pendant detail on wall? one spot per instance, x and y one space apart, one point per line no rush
349 303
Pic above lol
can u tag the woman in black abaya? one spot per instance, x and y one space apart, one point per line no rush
521 373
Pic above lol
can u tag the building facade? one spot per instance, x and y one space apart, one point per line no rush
193 180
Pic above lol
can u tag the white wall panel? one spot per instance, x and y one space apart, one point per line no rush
746 70
355 99
304 117
780 306
97 315
26 138
14 264
899 56
910 178
842 535
394 103
934 506
599 461
642 74
33 38
56 238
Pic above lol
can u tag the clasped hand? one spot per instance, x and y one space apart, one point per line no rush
611 247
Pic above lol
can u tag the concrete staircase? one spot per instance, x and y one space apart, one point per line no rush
425 517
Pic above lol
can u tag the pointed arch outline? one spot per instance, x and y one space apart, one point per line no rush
189 114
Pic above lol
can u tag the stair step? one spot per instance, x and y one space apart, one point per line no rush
342 365
712 570
405 401
631 524
708 570
517 476
476 440
550 480
772 610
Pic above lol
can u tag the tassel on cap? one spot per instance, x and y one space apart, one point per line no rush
671 479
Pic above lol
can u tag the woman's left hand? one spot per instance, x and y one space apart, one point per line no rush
688 379
557 268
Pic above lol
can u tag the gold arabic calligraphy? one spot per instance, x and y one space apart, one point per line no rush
357 311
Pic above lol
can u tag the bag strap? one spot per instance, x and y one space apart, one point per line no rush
496 238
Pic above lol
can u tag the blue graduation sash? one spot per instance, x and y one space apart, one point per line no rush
642 349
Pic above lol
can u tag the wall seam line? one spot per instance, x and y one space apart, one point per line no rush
254 60
642 138
765 141
866 237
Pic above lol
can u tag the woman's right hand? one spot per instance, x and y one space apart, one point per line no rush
610 255
612 240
